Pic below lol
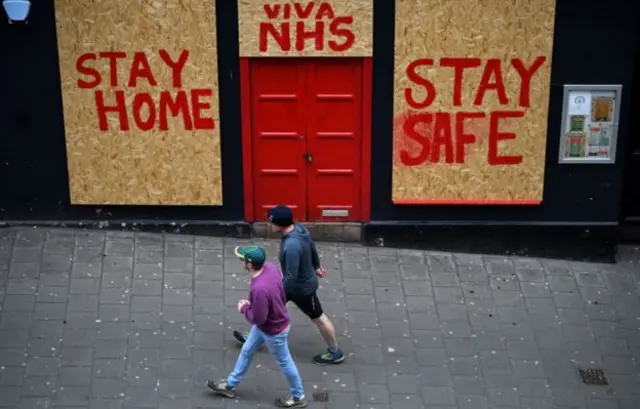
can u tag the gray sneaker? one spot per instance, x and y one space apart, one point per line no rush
222 388
291 402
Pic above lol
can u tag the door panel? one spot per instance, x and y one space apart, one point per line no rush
306 137
279 174
334 139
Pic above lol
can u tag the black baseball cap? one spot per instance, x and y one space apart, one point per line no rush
281 216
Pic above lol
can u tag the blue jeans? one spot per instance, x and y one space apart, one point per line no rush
279 347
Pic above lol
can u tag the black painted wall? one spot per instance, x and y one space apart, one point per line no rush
592 45
33 167
630 212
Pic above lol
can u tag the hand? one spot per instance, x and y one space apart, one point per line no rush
241 304
321 272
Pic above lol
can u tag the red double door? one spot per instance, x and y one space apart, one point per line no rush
306 137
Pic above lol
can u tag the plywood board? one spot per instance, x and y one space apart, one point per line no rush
331 28
140 94
471 100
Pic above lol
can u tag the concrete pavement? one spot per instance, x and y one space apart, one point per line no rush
111 320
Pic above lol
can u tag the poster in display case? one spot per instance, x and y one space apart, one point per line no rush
589 124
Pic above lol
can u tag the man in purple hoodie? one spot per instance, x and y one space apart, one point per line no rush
266 311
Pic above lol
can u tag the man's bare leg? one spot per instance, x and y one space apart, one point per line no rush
327 330
333 355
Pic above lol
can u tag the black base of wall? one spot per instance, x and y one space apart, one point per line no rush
571 242
630 232
204 228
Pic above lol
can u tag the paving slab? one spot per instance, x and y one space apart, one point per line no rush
123 320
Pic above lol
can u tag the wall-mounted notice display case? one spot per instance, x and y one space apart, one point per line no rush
589 124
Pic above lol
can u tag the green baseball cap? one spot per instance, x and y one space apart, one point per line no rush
251 254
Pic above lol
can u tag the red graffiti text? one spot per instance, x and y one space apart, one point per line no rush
320 15
443 135
144 111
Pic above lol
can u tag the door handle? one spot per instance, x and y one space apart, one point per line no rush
308 157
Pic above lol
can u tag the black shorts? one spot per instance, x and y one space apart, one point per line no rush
308 304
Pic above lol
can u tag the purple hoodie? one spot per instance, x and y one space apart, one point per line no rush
268 305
